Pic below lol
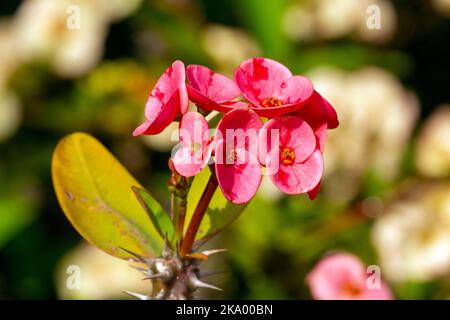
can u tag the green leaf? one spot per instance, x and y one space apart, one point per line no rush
16 212
269 34
157 214
94 191
220 212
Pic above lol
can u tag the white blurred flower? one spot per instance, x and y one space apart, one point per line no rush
228 46
268 191
433 145
336 18
10 114
101 276
413 237
8 52
69 34
299 23
388 22
331 19
376 116
10 106
164 141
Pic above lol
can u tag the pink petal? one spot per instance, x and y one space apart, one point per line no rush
382 293
234 105
293 133
279 111
196 148
206 103
260 78
194 129
328 278
240 118
188 163
295 90
317 110
162 119
239 180
167 99
299 177
314 192
321 136
213 86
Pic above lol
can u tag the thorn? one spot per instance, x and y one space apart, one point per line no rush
138 256
213 251
200 284
143 270
167 251
197 256
176 253
209 273
137 295
178 260
155 276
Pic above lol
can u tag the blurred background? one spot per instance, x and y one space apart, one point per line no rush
386 192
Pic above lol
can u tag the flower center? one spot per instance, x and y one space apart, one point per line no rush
271 102
231 156
287 156
349 289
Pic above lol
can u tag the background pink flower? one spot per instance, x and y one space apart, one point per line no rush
196 146
237 167
167 99
294 154
271 88
343 276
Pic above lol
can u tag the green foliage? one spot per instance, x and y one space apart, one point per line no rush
157 214
94 191
16 212
220 212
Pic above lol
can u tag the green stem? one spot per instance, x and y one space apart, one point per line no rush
181 217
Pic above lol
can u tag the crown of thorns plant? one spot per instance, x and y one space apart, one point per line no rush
272 123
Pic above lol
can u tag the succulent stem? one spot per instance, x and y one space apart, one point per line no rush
181 217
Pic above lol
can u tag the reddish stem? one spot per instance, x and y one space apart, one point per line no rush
202 206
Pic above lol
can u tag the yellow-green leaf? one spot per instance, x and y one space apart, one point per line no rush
220 212
94 191
156 213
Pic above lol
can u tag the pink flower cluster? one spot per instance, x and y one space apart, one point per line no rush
288 146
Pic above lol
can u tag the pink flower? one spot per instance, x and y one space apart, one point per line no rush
321 116
292 157
238 170
343 276
271 88
196 146
211 91
167 99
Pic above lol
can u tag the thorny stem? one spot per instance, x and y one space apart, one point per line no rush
197 217
178 187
